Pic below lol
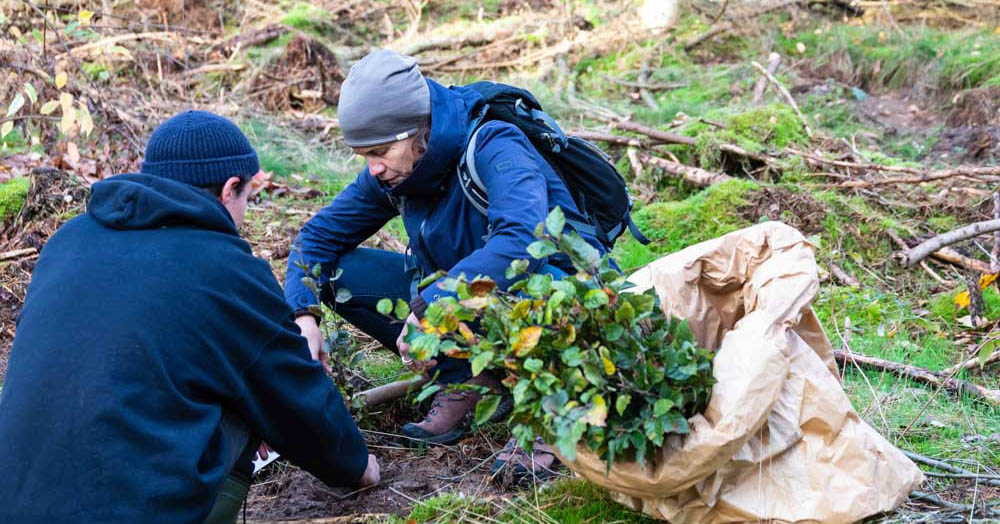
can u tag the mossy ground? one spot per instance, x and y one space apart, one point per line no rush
12 196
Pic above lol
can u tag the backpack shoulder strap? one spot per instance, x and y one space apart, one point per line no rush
468 176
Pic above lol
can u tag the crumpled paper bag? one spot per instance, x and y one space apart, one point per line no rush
779 441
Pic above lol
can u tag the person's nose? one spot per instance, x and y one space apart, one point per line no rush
376 167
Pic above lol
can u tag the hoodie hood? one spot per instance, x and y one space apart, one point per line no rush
137 201
452 109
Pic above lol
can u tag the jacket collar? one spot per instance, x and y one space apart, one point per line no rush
451 111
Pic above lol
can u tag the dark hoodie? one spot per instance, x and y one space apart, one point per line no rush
147 320
446 231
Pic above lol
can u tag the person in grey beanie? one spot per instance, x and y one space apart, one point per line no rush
154 351
412 133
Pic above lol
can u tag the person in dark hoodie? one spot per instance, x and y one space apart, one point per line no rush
152 345
412 133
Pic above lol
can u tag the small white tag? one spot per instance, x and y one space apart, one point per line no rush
259 464
402 135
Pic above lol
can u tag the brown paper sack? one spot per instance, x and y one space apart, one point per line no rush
779 441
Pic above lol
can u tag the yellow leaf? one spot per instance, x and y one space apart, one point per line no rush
6 128
61 79
84 16
987 279
66 101
598 413
72 153
609 366
86 122
49 107
962 300
68 123
527 339
466 332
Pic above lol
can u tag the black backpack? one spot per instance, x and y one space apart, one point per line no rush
598 189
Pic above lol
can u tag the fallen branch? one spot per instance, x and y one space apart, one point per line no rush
946 239
712 31
935 463
595 136
162 36
18 253
784 92
945 254
940 174
664 137
256 37
693 175
773 60
921 375
643 92
965 508
387 392
646 85
843 277
974 363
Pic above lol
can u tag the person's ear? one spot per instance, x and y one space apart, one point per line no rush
229 190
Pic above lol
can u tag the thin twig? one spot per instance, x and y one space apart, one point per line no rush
784 92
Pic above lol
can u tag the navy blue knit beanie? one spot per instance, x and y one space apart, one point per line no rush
200 149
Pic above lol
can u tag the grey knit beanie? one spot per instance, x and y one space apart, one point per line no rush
384 99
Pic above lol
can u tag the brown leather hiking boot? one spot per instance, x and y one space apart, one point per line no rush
451 413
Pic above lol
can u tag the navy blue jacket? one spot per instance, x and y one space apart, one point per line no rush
446 232
148 319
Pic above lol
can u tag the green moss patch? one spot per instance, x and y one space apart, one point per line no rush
13 193
672 226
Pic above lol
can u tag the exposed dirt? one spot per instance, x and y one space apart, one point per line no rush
286 492
307 75
799 210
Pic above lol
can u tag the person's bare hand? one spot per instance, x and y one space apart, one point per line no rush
417 366
371 475
310 330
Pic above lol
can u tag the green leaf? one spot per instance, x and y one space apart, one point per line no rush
613 332
625 313
662 406
427 392
539 285
555 221
641 303
541 249
486 407
343 295
622 403
480 361
580 251
533 365
402 309
516 268
594 374
30 91
430 279
571 356
595 298
384 306
15 104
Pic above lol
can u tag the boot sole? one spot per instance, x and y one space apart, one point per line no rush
445 439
